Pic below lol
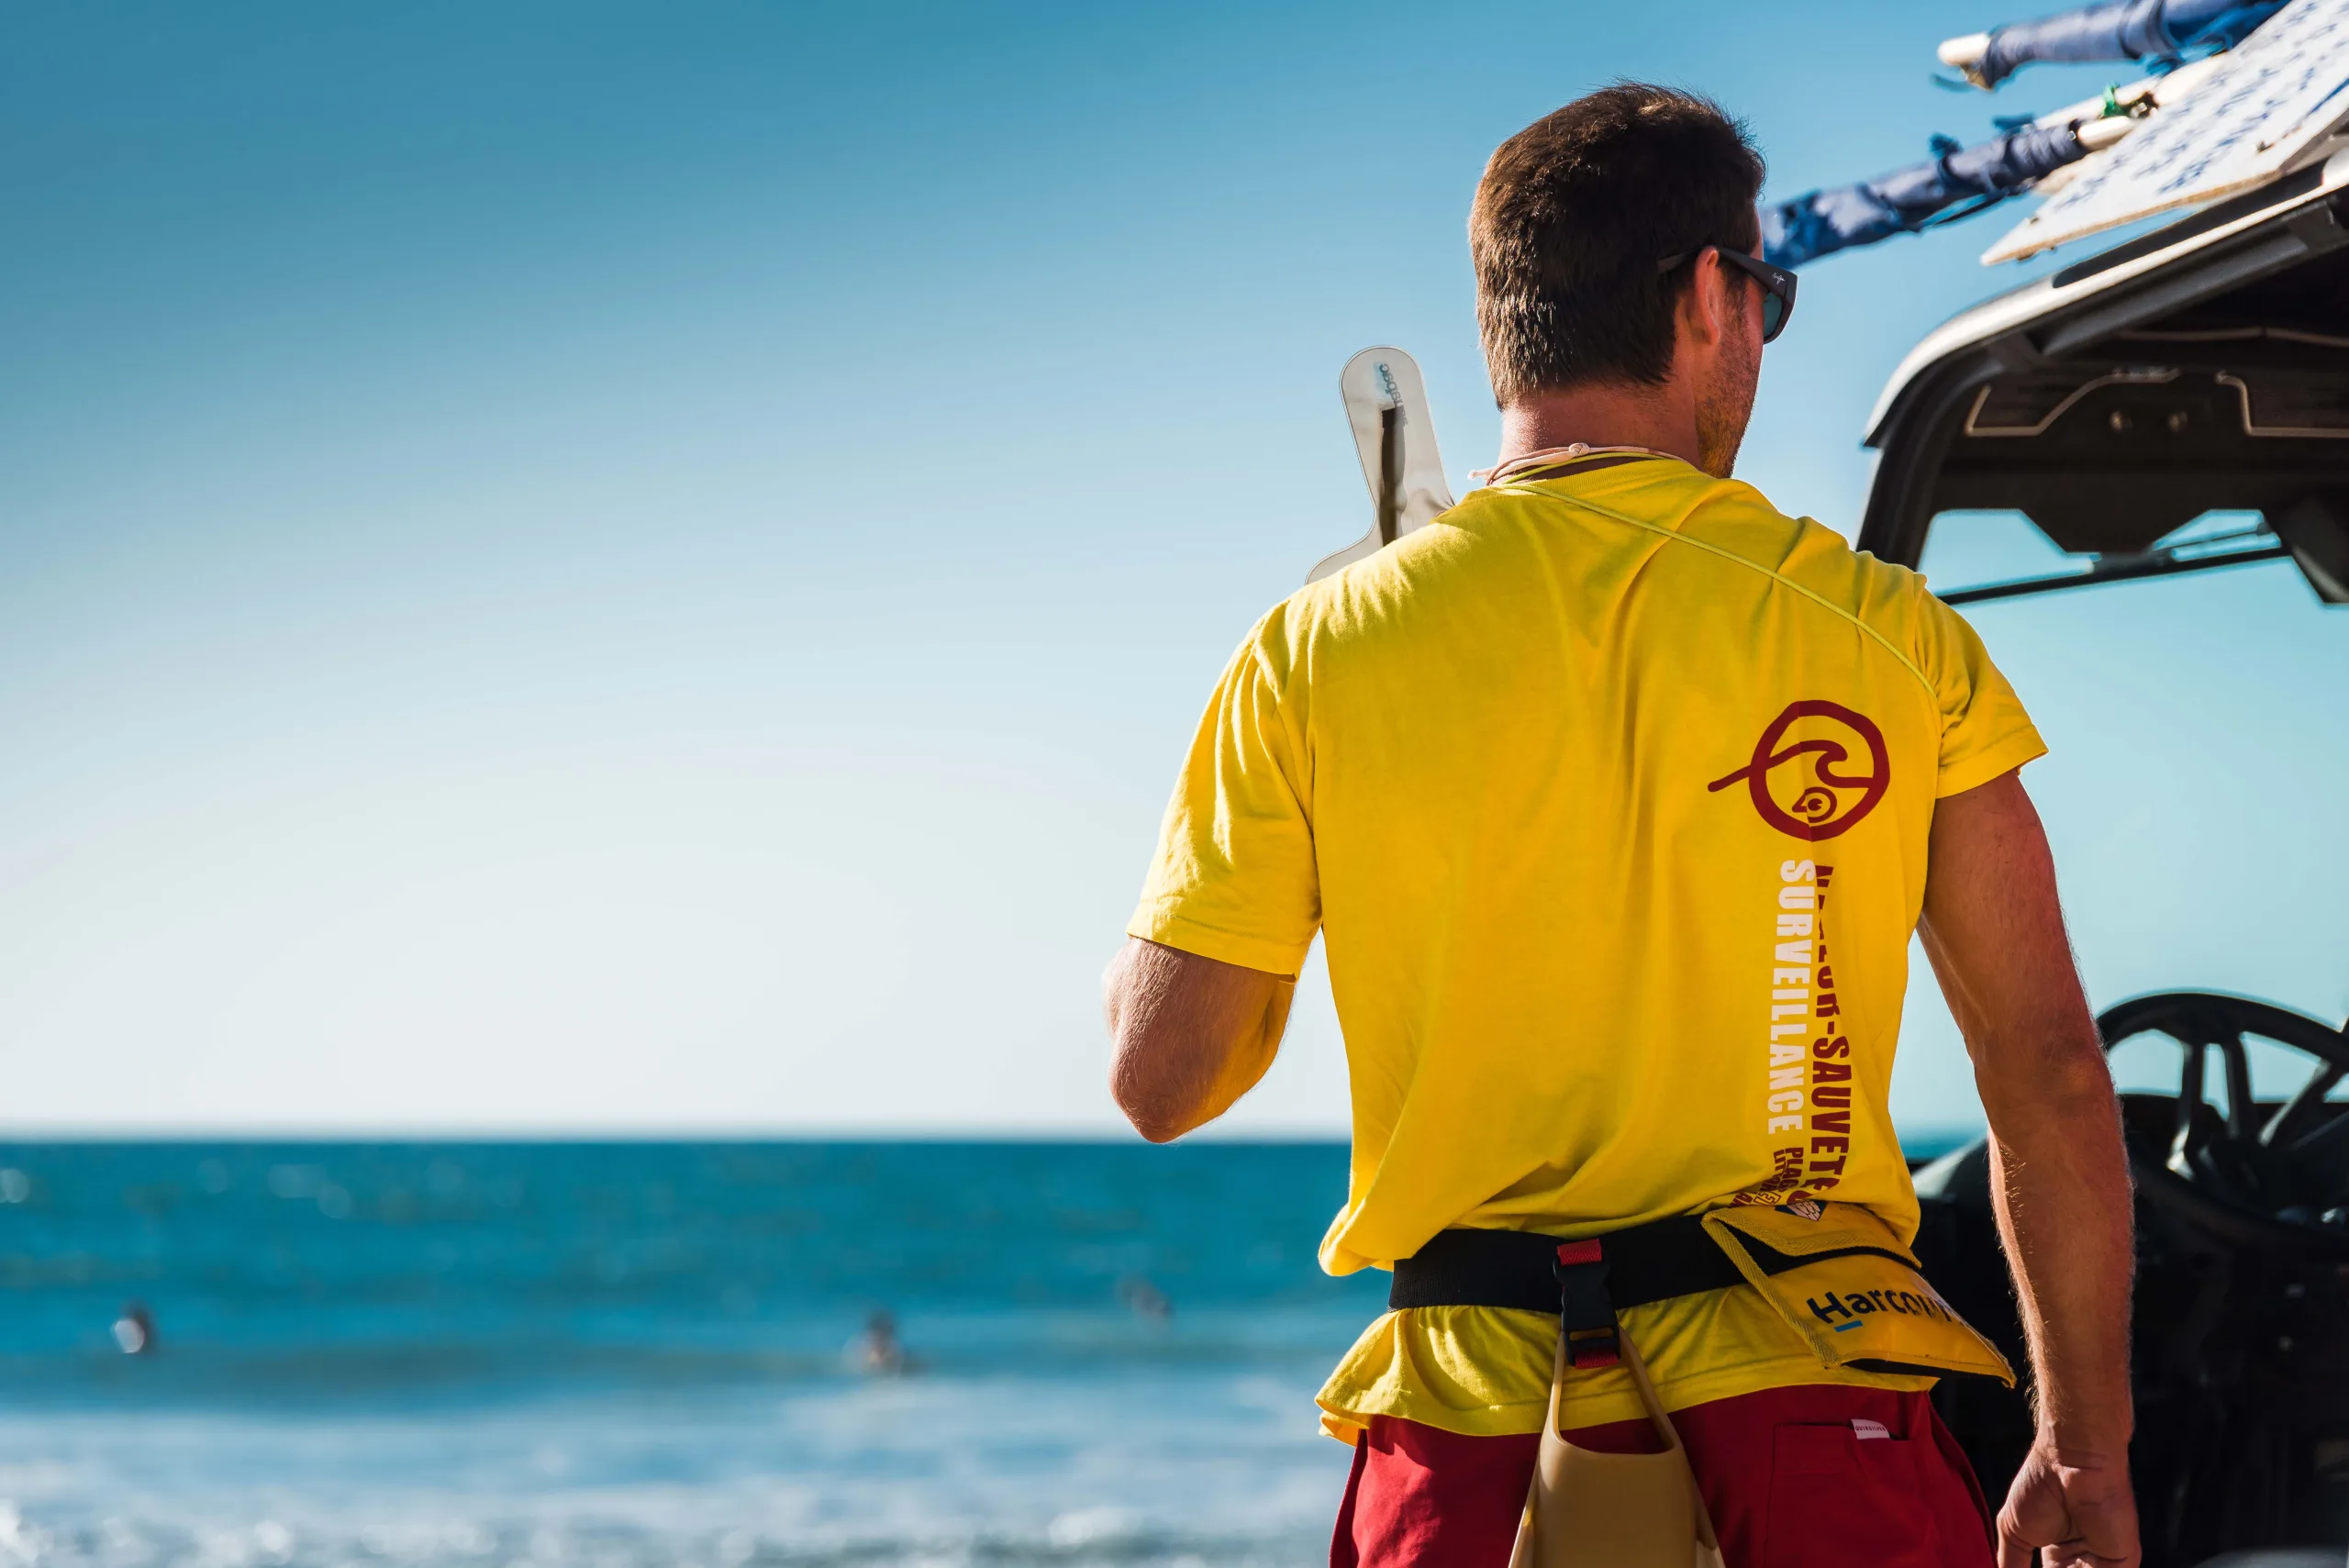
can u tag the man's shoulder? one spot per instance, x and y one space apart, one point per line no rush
1803 553
1369 593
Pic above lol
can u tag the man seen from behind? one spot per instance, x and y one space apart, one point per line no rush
1616 795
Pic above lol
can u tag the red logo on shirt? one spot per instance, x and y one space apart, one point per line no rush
1812 799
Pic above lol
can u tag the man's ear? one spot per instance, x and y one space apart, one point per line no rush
1709 299
1696 320
1695 314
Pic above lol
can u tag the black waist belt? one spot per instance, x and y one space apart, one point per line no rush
1655 1262
1586 1281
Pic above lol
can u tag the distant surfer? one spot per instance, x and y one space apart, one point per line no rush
877 1351
1608 1020
134 1329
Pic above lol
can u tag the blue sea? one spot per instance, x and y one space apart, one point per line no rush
535 1356
608 1355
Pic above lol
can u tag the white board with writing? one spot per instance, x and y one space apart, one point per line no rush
2266 106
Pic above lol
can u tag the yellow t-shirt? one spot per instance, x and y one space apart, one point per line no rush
1608 792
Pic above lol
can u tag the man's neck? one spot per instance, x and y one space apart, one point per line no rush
1611 414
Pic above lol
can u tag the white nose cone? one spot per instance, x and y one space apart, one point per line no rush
1966 53
129 1336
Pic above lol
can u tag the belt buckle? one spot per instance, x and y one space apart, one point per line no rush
1585 1313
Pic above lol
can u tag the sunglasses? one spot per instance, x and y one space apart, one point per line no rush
1778 282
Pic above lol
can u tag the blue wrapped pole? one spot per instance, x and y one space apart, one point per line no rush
2121 29
1822 222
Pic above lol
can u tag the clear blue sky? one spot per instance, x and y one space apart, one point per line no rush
575 566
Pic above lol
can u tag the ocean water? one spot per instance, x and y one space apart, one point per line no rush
535 1356
571 1355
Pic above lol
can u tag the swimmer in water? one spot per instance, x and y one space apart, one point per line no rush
878 1352
134 1329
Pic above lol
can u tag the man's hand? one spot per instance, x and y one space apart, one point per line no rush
2059 1514
1193 1034
2059 1177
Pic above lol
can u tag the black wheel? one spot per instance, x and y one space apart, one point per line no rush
2257 1176
2240 1325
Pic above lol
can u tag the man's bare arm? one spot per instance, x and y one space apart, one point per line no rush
2059 1177
1192 1034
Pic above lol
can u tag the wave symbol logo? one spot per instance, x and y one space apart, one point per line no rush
1799 775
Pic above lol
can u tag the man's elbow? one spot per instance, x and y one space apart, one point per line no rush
1151 1114
1156 1130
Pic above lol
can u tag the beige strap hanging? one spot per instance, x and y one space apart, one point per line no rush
1587 1509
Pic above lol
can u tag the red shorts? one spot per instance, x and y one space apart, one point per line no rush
1789 1480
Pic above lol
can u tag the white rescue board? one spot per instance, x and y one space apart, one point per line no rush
2274 103
1386 405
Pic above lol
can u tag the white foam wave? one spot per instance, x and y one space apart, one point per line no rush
1151 1472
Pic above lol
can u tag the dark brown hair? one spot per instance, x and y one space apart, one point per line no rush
1572 217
